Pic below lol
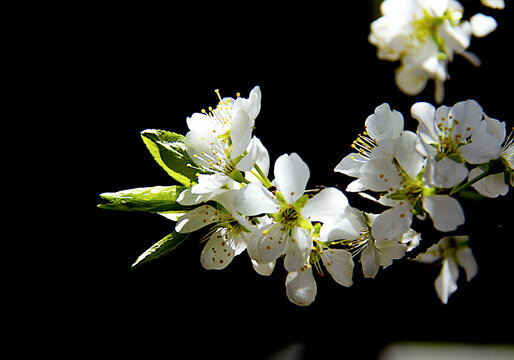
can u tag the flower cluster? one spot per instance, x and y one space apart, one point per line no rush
425 35
227 196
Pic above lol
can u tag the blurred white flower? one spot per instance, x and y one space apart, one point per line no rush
452 252
424 35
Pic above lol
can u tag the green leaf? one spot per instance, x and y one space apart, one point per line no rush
160 248
169 150
150 199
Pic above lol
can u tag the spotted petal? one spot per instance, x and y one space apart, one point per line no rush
198 218
298 249
339 263
219 250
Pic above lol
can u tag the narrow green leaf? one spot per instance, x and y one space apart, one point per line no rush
150 199
169 150
160 248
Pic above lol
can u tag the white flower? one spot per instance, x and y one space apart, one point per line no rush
226 239
356 232
452 251
290 233
219 141
287 234
392 166
424 35
381 127
451 136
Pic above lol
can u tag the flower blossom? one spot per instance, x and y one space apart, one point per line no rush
226 239
290 232
452 252
424 35
220 144
395 169
355 233
451 137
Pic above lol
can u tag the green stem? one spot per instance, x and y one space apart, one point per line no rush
264 179
486 172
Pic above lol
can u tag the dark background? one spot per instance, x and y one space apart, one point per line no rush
121 69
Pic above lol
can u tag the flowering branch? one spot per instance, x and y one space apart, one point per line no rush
223 173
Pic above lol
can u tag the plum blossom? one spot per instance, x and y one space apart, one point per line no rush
452 136
226 239
220 144
356 233
452 252
395 169
424 35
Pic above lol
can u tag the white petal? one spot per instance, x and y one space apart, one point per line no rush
410 160
209 183
445 173
265 269
384 123
483 148
410 80
482 25
339 263
456 38
356 186
380 175
329 205
348 227
198 218
491 186
425 114
218 252
251 106
199 122
270 242
257 154
298 249
389 251
240 133
468 262
446 282
369 261
466 115
351 164
392 223
445 211
187 198
291 176
495 4
255 199
301 287
197 142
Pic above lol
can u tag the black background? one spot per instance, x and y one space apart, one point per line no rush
118 70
